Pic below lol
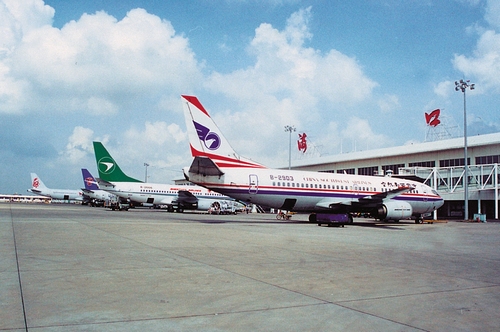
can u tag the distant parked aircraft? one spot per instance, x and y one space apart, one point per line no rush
177 198
39 188
92 190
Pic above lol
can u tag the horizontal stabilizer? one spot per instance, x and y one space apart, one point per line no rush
104 184
204 166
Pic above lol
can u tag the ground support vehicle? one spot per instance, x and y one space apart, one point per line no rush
334 219
283 216
117 205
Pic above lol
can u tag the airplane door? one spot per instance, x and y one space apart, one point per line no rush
253 183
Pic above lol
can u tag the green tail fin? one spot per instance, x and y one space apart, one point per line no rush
107 166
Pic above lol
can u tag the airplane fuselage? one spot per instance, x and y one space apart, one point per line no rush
156 193
61 194
314 192
99 194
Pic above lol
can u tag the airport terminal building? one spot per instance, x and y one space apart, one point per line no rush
439 164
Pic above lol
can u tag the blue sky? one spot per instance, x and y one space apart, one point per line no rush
353 75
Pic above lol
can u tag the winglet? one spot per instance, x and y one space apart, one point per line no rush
107 167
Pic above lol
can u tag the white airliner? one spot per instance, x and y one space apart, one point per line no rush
93 191
39 188
327 196
178 198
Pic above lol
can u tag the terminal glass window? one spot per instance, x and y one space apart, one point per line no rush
367 170
484 160
422 164
453 162
394 168
346 171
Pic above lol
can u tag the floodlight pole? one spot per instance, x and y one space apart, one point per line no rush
146 175
289 129
462 86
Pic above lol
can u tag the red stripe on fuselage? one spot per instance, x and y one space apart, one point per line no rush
223 161
222 186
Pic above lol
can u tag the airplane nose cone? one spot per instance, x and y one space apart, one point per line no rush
439 203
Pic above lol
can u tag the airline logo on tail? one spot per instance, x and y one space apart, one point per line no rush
206 140
89 181
36 183
106 165
209 138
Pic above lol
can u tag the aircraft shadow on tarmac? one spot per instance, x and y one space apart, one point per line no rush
270 220
379 225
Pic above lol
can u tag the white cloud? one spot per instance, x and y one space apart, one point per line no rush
389 103
285 67
360 131
484 64
492 14
95 58
26 15
444 89
98 106
289 83
163 146
17 17
157 133
79 145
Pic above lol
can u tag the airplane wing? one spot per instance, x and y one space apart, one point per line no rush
186 196
386 195
367 200
205 166
186 200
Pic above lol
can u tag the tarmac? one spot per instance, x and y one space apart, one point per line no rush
66 267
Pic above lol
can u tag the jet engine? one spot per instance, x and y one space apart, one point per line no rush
394 210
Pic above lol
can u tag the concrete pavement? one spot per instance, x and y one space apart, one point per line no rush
77 268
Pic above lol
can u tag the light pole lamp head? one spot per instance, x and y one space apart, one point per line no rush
463 85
